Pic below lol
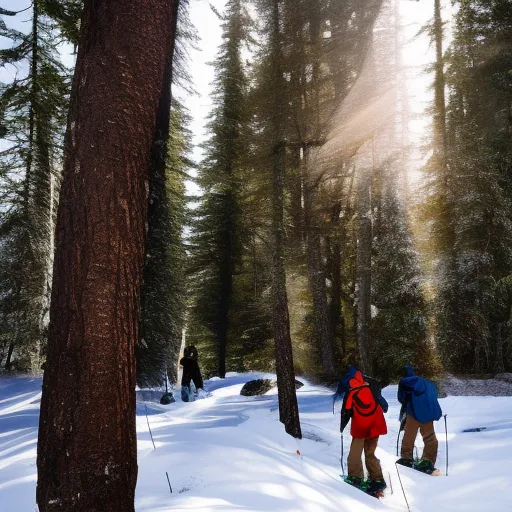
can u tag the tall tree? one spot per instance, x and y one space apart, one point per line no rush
468 196
217 225
87 440
163 290
288 407
399 326
33 116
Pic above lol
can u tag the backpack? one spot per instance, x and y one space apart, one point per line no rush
375 387
376 390
362 407
423 400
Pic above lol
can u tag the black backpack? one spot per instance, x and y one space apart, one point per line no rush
376 389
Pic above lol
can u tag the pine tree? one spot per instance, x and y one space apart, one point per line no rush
33 110
216 242
163 293
163 290
477 250
400 322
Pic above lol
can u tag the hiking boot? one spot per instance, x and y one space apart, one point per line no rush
425 466
356 482
377 485
408 463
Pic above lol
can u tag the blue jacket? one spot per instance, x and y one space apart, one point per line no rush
418 397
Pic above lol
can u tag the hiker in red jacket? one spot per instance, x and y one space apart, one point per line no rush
368 423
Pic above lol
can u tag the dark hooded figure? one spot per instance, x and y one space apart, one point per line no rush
420 408
191 371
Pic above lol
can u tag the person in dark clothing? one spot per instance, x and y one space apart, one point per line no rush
420 408
191 372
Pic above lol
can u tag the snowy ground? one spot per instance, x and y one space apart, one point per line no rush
229 452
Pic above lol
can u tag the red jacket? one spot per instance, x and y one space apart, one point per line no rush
360 405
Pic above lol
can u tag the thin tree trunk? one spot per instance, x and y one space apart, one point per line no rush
334 266
364 273
316 273
33 100
288 406
294 182
440 142
226 292
87 452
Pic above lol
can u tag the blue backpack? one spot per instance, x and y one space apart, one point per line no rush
419 397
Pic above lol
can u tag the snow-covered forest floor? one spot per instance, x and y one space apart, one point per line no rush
229 452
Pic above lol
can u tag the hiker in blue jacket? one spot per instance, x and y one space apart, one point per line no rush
420 408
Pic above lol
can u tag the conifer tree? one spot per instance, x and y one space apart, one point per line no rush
400 322
216 241
33 110
477 140
163 291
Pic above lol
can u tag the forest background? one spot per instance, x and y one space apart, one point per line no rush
393 248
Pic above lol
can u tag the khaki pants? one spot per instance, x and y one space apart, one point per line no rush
429 439
355 464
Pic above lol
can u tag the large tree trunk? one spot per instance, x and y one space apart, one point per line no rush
87 452
288 406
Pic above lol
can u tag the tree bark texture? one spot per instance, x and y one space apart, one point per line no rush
87 452
364 271
288 406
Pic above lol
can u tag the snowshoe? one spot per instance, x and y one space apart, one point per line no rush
376 488
408 463
425 466
476 429
357 482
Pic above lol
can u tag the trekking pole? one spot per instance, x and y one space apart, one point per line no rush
402 427
446 435
401 485
341 458
168 481
166 387
154 447
390 482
